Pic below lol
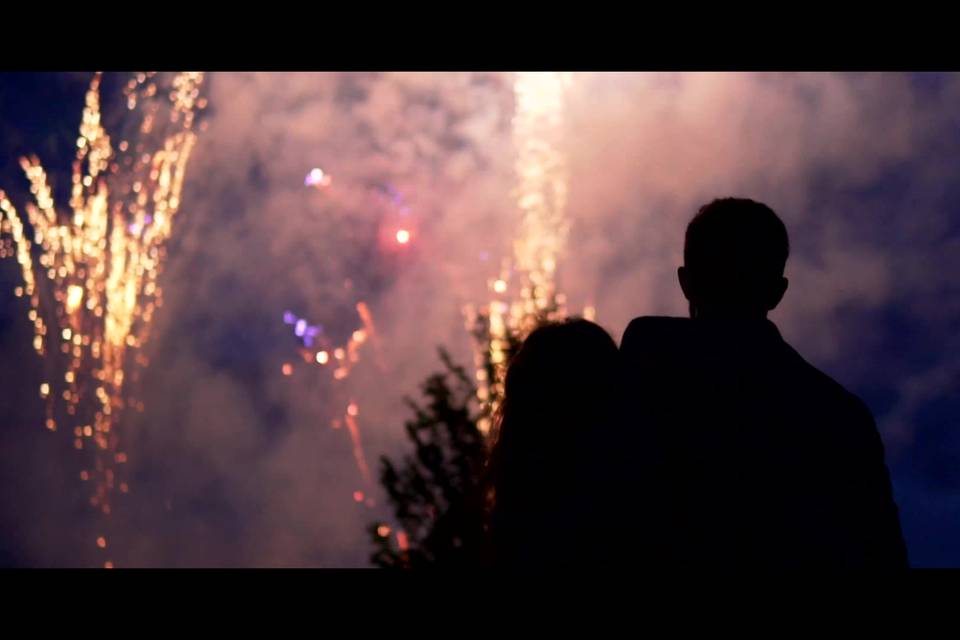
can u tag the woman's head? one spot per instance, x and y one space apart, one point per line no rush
563 370
559 402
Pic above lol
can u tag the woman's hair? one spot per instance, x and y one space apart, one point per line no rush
560 400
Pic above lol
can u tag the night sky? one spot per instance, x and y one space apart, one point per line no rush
234 464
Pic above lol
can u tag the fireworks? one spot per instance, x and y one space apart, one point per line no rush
317 178
396 232
91 276
344 358
541 196
542 189
397 223
306 332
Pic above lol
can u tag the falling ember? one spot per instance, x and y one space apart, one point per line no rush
287 369
402 542
91 275
358 454
383 531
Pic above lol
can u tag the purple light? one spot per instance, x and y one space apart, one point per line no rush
300 328
289 318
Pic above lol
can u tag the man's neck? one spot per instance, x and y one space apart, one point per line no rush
728 315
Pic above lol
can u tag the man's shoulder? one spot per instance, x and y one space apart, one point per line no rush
829 392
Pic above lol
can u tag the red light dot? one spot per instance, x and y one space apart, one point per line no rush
403 236
358 496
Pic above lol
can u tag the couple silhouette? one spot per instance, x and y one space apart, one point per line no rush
704 442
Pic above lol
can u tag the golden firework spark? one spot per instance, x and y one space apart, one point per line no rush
348 358
542 189
92 274
541 196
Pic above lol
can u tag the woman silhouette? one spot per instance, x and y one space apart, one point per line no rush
550 484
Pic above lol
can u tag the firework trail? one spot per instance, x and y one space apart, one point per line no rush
542 190
524 292
91 275
317 350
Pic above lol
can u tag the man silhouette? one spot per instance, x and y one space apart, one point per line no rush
748 456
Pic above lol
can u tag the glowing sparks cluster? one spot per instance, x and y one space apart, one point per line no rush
317 179
396 226
91 275
541 196
317 350
542 183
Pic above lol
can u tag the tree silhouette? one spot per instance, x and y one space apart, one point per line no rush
437 493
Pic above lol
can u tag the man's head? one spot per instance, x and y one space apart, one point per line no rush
734 256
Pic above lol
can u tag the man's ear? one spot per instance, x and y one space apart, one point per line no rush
776 295
684 277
